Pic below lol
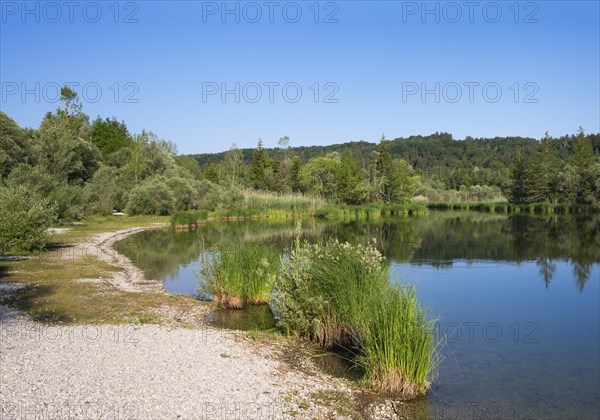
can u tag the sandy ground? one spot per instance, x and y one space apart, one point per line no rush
131 278
148 371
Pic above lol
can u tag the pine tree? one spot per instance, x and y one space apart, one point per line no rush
380 171
258 167
519 192
544 172
583 160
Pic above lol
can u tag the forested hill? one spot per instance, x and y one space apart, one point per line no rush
427 153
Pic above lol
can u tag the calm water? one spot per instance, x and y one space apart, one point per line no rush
517 298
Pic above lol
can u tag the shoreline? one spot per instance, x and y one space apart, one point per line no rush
126 370
131 278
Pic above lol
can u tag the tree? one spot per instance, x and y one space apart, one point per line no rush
183 193
519 191
233 165
380 171
544 172
401 184
69 98
583 161
258 167
58 148
319 176
102 191
109 135
13 146
136 169
351 185
284 143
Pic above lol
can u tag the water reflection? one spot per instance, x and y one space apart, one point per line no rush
524 291
439 239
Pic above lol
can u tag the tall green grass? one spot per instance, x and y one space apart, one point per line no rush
338 294
188 218
398 352
370 211
237 275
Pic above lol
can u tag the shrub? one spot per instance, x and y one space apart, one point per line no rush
183 192
153 196
25 216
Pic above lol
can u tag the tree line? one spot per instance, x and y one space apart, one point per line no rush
72 166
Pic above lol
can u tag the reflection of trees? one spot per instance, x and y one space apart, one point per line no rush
546 269
160 253
582 274
441 238
437 239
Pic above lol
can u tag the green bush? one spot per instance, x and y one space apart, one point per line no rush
183 192
25 216
153 196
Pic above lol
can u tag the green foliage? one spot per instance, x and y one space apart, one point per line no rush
153 196
237 275
320 175
101 193
520 191
258 167
339 294
13 144
25 216
351 185
207 195
400 184
183 193
586 172
67 199
398 351
110 136
187 218
62 153
233 166
544 174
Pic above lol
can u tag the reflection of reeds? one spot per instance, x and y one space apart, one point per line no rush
503 207
339 295
370 211
239 274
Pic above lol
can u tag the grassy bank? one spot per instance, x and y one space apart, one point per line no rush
71 287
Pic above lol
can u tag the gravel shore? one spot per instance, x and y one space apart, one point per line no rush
135 371
147 372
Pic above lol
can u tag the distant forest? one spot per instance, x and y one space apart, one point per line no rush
445 165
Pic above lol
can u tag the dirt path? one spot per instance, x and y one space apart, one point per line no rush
130 278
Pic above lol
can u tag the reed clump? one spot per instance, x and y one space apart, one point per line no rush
238 275
339 294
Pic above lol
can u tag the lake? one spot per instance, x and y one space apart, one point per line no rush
516 299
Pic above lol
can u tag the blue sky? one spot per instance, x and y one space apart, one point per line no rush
487 68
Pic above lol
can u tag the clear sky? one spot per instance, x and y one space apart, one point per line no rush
208 74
